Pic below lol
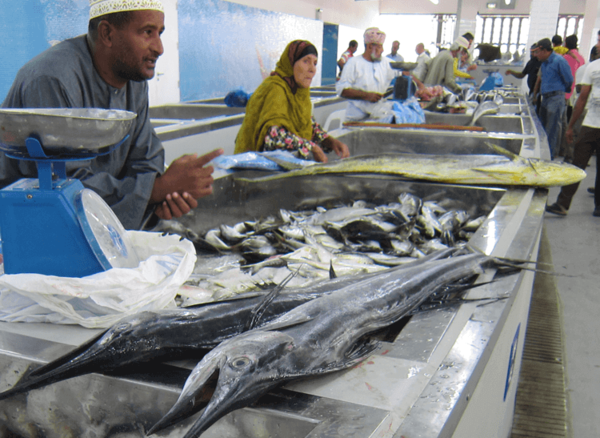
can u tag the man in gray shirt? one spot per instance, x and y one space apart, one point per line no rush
441 69
108 68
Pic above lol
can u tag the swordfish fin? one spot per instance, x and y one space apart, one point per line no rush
260 309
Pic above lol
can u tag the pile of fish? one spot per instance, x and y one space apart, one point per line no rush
320 244
262 342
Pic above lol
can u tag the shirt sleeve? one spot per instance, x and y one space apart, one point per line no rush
449 80
587 76
567 76
279 138
319 135
458 73
347 78
128 191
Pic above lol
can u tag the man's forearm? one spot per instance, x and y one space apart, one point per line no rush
353 93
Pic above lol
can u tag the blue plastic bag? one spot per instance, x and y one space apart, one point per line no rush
257 160
408 111
237 98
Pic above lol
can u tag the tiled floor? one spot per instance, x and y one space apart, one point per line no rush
575 244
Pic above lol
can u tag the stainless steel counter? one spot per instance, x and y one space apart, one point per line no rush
450 372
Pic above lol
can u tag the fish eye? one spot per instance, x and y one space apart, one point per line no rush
122 327
240 362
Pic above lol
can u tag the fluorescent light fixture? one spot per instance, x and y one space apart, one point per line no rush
435 2
491 5
507 2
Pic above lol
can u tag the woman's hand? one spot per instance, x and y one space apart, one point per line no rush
318 154
337 146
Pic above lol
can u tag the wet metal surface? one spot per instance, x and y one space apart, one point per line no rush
419 383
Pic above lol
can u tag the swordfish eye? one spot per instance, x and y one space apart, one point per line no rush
240 362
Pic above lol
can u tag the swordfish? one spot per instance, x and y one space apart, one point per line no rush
321 336
179 333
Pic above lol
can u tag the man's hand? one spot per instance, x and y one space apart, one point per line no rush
318 154
373 97
175 206
337 146
352 93
569 135
508 72
472 67
184 181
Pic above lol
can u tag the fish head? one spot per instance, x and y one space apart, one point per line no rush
555 173
247 366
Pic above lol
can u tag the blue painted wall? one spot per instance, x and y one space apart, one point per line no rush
330 48
31 26
224 46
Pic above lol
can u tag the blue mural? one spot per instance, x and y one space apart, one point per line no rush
31 26
330 47
224 46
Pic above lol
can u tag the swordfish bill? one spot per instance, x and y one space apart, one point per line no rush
321 336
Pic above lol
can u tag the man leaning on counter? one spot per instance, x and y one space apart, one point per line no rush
108 68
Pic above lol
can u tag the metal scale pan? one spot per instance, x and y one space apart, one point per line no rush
53 225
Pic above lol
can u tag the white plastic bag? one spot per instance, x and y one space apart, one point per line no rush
100 300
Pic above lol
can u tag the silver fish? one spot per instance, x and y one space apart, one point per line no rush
213 238
318 337
231 234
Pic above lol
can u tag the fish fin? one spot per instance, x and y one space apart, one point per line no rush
261 307
286 321
332 273
362 349
513 157
287 165
500 150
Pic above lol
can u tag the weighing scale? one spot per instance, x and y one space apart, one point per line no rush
52 225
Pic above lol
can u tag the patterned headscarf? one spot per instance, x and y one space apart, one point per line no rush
295 51
103 7
374 35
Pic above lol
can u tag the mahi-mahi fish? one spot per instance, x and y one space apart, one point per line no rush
318 337
176 334
506 169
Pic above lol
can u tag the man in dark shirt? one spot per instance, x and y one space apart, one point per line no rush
531 70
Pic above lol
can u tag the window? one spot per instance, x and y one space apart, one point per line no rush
569 25
510 32
445 29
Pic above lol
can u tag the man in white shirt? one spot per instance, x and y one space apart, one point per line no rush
423 61
395 56
365 78
588 140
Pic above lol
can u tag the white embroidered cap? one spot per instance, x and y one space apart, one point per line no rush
103 7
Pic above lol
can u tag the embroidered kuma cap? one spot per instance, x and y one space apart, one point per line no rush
374 35
103 7
462 42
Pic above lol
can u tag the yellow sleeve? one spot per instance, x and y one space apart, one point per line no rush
458 73
561 50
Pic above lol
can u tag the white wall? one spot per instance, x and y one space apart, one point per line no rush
350 13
